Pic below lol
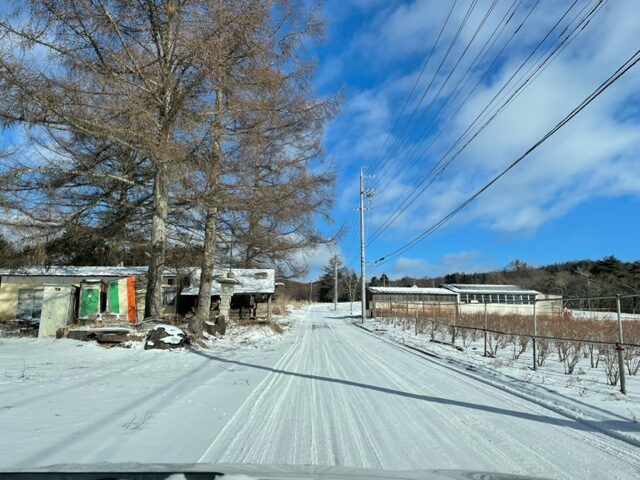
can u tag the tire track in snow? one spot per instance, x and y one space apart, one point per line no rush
615 448
358 428
249 410
443 430
345 398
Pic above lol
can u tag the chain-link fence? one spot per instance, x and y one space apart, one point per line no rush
605 330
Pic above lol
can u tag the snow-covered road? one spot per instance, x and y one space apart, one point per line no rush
328 394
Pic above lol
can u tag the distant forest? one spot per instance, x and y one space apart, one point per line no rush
578 278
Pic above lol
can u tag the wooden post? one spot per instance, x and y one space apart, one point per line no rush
620 348
416 321
433 323
535 333
485 328
269 308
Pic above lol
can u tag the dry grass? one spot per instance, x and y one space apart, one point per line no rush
282 302
559 326
569 334
263 323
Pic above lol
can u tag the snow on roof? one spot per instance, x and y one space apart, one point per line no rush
71 271
480 288
252 280
410 290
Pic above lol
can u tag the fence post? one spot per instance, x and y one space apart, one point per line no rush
535 334
485 328
620 348
416 321
433 324
455 322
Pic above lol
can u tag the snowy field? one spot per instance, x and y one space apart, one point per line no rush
595 315
585 394
325 393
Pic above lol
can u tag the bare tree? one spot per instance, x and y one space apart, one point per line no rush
130 73
265 132
194 120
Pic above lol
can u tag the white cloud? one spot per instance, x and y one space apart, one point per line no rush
461 262
409 267
596 155
314 259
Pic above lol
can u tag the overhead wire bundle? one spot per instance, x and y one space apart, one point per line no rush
502 101
623 69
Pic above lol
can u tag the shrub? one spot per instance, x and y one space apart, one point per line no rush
610 357
632 359
572 357
543 351
524 343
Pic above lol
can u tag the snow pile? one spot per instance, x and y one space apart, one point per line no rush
170 329
250 334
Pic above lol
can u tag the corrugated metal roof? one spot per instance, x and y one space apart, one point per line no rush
252 280
71 271
410 290
489 288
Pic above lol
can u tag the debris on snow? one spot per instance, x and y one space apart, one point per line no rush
103 335
164 336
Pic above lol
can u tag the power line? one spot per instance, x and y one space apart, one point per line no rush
518 89
415 84
490 42
416 125
624 68
411 197
426 90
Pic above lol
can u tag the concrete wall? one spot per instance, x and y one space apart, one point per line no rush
9 299
496 309
552 305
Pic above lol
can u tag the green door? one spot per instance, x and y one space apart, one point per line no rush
89 302
114 298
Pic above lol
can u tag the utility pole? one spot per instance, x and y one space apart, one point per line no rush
363 277
335 283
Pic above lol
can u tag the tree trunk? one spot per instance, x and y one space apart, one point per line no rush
209 248
206 274
153 299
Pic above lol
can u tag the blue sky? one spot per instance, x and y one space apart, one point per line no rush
577 196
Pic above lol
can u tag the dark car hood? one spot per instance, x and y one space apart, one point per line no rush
240 472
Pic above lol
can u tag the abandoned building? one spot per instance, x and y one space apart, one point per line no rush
46 298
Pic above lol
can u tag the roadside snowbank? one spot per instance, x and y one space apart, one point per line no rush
584 396
248 335
68 401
